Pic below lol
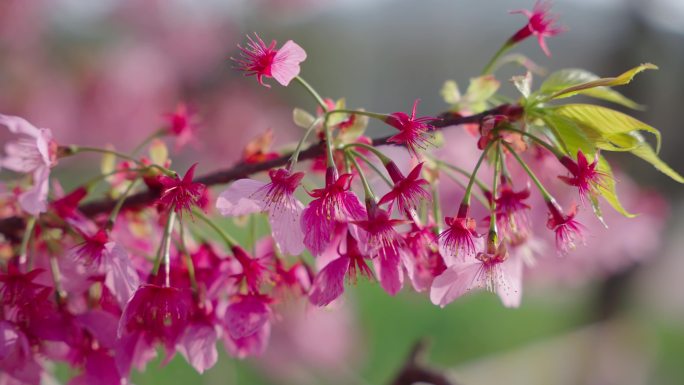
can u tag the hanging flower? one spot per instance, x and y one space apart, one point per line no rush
261 60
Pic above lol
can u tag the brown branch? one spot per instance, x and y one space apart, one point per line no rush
11 227
415 370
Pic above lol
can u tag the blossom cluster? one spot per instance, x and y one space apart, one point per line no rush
102 285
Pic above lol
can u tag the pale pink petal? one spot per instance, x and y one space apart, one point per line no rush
198 346
285 227
389 271
34 200
318 231
329 282
285 65
252 345
420 282
102 325
16 357
133 351
18 125
121 277
454 282
510 287
241 198
246 316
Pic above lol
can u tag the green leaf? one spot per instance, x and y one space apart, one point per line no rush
607 188
450 92
645 152
569 134
336 119
604 124
479 91
570 82
302 118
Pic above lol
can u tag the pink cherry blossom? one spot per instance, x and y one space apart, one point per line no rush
421 256
412 131
583 174
568 230
328 284
181 125
493 271
265 61
459 236
540 24
332 204
33 152
16 357
408 191
246 196
181 194
247 322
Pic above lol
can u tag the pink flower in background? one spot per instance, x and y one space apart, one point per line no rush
567 229
459 237
421 256
254 270
583 174
247 196
153 314
412 131
16 357
332 204
247 322
33 152
408 191
329 282
181 125
540 24
258 59
511 211
494 271
181 194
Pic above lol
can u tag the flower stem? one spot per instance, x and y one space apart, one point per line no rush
492 62
495 185
466 197
537 140
163 253
383 158
444 166
373 167
157 134
295 155
60 294
312 92
23 249
119 204
187 259
230 242
366 187
375 115
547 196
436 207
452 175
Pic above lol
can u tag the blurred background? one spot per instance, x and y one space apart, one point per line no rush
106 71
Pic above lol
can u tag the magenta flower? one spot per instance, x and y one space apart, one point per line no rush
511 211
382 243
261 60
583 174
246 196
181 124
100 256
413 131
493 271
247 322
421 257
540 24
567 229
153 314
407 191
33 152
254 270
333 204
459 237
16 356
181 194
328 284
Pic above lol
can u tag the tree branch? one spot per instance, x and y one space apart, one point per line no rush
11 227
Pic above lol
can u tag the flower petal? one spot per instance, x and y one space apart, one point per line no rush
241 198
